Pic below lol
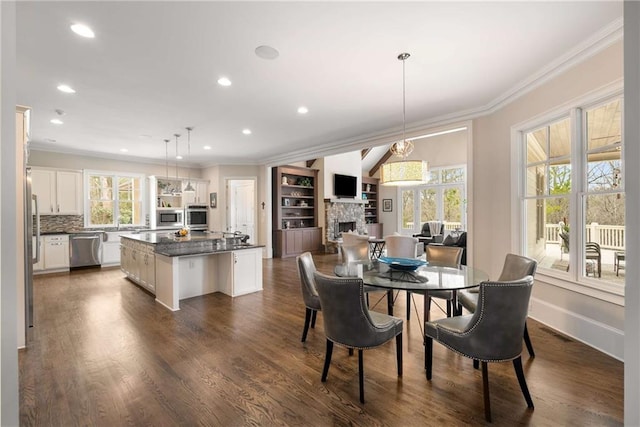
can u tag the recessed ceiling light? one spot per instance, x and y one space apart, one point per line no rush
179 157
56 121
223 81
124 150
83 30
266 52
303 110
66 89
246 131
206 147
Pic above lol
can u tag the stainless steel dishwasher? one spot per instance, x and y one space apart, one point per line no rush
85 249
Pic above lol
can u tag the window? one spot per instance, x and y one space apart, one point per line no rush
573 195
443 198
113 199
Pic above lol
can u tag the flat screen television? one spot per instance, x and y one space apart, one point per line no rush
344 185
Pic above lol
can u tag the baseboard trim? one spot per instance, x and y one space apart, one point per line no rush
595 334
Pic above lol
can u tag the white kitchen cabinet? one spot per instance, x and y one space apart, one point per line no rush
56 252
59 191
137 261
247 271
200 196
111 251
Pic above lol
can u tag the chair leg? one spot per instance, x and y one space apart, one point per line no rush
361 374
367 296
517 364
390 302
313 318
476 364
350 352
408 305
485 391
527 341
327 360
428 356
307 319
399 353
448 308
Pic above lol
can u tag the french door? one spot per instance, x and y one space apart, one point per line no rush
433 202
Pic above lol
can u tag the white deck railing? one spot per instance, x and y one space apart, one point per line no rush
607 236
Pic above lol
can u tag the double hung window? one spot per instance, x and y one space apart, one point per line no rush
113 199
573 193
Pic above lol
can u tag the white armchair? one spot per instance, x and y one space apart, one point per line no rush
399 246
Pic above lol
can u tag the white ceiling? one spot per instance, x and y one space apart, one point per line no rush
152 70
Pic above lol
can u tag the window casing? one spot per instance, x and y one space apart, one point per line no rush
572 179
113 199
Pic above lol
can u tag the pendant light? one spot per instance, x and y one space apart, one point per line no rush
403 172
189 188
166 190
177 135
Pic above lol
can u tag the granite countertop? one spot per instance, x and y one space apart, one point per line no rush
168 244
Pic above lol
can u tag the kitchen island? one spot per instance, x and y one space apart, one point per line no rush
175 268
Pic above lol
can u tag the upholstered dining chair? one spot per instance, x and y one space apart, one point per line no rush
515 267
493 333
306 270
399 246
353 254
349 323
351 238
444 256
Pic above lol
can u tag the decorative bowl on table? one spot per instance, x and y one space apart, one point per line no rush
403 264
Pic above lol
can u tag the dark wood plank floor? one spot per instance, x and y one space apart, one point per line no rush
104 353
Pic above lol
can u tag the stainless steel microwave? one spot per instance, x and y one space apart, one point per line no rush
169 218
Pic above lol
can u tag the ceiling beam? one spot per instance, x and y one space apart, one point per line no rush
365 151
310 162
384 158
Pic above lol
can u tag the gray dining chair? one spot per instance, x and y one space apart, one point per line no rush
493 333
306 270
399 246
444 256
354 254
515 267
349 323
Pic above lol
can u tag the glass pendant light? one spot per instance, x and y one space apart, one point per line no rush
189 188
403 172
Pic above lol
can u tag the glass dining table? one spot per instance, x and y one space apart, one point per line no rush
423 279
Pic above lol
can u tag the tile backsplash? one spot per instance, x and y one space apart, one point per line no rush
61 223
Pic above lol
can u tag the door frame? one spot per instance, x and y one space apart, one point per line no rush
227 203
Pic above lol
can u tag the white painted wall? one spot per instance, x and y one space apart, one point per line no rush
9 232
345 164
72 161
589 319
217 176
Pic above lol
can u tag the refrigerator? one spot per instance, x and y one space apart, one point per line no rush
32 244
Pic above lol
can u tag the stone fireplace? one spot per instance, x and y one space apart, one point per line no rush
341 216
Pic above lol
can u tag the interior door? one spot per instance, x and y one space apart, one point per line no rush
242 206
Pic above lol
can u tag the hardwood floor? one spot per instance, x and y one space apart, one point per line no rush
104 353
